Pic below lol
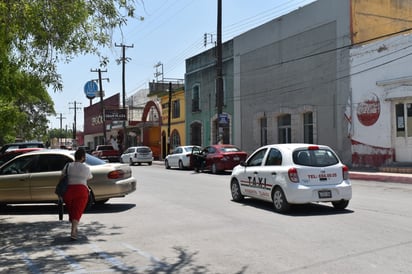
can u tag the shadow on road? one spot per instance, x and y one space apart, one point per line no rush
298 210
42 209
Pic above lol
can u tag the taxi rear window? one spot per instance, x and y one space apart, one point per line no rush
317 158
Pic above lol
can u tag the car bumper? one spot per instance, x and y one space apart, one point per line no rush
119 189
301 194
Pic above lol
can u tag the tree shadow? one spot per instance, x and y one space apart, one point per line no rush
44 247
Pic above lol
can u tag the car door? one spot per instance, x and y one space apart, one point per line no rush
270 173
15 180
45 176
250 178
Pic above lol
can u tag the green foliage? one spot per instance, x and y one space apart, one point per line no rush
34 37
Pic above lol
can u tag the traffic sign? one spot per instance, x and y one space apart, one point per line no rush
90 89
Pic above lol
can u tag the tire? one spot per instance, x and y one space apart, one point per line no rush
131 162
181 167
167 166
150 163
280 203
235 190
340 205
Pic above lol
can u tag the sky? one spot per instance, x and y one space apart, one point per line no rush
170 32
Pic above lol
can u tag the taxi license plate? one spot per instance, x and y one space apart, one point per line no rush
325 194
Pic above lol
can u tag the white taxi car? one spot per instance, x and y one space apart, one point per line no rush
293 174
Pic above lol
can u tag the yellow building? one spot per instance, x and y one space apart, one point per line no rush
372 19
175 128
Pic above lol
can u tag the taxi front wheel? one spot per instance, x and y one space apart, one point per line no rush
235 190
279 201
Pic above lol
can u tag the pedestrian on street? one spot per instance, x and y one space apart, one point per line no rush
77 193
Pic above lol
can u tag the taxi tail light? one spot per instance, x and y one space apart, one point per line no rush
116 174
313 148
293 175
345 172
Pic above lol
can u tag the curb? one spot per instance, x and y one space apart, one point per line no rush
382 177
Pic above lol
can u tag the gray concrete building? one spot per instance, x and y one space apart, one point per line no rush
291 79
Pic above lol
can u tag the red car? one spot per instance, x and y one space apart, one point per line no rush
218 158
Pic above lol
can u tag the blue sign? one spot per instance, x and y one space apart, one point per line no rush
90 89
223 119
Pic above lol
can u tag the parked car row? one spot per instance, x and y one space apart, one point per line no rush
215 158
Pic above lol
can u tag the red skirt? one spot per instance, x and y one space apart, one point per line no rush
75 199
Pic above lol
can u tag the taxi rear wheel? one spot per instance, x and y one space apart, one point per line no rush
235 190
181 167
340 205
279 200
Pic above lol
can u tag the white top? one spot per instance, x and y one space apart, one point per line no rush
79 173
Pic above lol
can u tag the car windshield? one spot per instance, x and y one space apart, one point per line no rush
93 161
318 157
188 149
143 150
229 149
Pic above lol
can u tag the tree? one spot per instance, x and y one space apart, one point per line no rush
34 37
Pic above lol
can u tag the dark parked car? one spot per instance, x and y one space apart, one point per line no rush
13 146
16 152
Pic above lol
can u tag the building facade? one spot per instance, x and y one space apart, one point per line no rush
380 107
202 124
174 130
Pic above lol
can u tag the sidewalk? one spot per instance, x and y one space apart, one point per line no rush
389 177
404 178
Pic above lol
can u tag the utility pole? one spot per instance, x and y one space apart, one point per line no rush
61 127
169 118
124 60
99 71
219 76
75 108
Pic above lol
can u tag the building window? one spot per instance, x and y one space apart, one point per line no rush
308 127
174 139
196 134
195 99
403 120
263 131
284 129
176 109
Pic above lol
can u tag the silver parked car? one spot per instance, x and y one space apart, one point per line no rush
32 177
180 157
137 155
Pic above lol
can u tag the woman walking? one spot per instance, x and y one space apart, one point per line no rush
77 192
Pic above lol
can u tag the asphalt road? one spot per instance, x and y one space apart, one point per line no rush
185 222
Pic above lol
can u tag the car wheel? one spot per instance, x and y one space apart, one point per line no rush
131 162
167 166
279 200
181 165
214 168
235 190
150 163
340 205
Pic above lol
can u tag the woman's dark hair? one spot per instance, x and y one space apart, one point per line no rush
79 154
